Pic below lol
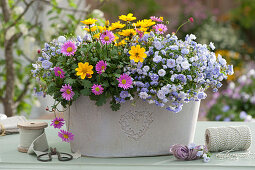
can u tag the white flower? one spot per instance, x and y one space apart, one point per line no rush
191 59
199 153
165 100
80 32
157 58
192 37
151 101
231 85
195 58
98 13
179 60
248 118
185 65
18 10
161 94
252 99
242 79
36 66
179 69
23 29
10 32
61 39
251 73
212 58
212 46
143 95
165 90
182 95
161 72
146 68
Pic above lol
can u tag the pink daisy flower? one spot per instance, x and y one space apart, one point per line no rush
97 89
67 92
140 33
65 135
101 66
58 122
160 28
107 37
153 18
59 72
125 81
68 48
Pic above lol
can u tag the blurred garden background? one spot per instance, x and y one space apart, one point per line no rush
27 24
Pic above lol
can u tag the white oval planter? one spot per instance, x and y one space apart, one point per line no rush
140 130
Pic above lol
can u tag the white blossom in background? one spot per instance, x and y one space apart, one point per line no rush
18 10
231 85
10 32
242 79
98 13
23 29
48 33
80 32
30 49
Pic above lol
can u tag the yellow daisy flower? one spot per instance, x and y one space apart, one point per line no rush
92 29
89 21
116 37
147 23
107 23
128 17
101 29
122 42
116 25
84 70
142 29
128 32
96 35
137 53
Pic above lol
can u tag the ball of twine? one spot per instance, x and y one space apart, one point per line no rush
229 139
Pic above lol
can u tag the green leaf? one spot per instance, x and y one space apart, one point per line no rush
101 100
70 81
116 75
86 83
85 92
72 3
115 106
51 88
106 84
71 16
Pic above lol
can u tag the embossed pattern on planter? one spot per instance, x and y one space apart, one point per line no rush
135 123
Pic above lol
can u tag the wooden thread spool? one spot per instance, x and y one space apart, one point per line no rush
29 131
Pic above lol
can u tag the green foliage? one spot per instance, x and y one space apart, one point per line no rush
65 21
243 15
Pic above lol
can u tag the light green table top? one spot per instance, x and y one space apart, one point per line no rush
10 158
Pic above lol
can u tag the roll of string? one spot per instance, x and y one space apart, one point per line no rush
229 139
29 132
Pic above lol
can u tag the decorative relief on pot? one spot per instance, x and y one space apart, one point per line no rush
135 123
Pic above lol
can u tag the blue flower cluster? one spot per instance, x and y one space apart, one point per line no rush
176 72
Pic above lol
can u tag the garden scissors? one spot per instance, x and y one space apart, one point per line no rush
53 151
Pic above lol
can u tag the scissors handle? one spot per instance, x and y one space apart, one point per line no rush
53 151
65 157
44 160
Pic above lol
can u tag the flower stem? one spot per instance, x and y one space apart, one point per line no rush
181 26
